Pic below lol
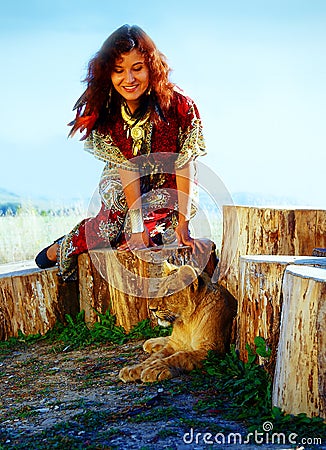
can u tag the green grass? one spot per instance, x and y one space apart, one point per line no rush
76 334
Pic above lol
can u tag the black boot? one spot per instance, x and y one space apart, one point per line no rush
42 261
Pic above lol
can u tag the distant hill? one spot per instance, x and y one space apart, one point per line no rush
246 199
11 203
261 199
7 196
8 201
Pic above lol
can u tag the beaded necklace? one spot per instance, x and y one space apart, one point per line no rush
134 128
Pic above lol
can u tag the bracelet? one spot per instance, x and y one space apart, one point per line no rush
136 221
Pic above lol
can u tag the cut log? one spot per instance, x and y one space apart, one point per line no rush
300 372
260 300
122 281
32 300
266 231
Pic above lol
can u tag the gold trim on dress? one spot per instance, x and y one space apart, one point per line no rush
103 148
192 143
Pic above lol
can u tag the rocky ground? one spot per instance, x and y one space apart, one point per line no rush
74 400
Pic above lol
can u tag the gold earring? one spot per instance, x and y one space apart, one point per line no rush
109 98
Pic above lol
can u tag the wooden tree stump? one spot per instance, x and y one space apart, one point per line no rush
266 231
124 280
260 300
300 372
32 300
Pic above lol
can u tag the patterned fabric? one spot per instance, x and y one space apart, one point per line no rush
167 146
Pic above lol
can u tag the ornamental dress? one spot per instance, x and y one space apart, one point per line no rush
167 145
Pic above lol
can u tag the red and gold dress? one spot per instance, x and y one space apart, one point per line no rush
167 145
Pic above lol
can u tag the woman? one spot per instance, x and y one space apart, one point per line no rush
148 133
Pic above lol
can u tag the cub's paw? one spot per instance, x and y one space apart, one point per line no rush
155 344
130 373
155 373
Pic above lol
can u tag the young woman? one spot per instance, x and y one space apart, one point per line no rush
148 132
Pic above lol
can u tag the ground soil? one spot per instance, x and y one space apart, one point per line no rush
74 400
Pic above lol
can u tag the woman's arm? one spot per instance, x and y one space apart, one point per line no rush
184 181
131 187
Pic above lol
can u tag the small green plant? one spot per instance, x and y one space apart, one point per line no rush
243 391
144 330
261 348
77 334
11 343
247 385
107 330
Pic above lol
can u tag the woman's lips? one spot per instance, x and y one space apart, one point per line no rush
130 88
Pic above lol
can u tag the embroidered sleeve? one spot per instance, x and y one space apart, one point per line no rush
103 148
190 136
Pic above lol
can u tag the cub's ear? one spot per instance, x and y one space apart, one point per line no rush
169 268
192 276
187 274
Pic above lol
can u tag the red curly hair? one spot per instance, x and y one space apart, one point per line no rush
100 102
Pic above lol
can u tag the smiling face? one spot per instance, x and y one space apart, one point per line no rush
130 77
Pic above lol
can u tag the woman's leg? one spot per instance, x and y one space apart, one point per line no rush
101 231
48 256
52 251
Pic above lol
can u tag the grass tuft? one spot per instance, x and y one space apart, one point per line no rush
243 391
77 334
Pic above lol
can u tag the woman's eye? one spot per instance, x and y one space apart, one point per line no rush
118 70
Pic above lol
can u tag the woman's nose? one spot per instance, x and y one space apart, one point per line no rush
130 76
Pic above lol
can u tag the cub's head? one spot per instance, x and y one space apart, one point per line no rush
178 295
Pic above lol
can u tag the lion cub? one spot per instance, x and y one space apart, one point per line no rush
201 313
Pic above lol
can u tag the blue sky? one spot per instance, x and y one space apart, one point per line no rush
256 69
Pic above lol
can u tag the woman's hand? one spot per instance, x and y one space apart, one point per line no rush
184 180
184 238
137 241
183 235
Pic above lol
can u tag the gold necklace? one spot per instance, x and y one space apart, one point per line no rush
134 128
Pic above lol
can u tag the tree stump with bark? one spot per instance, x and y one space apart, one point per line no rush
260 300
122 281
300 372
33 300
266 231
